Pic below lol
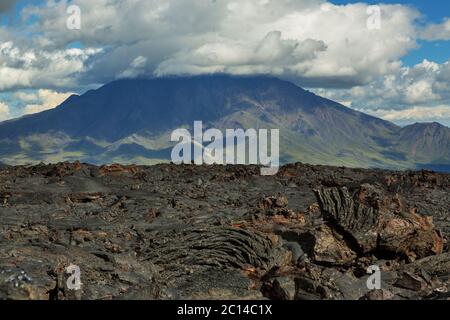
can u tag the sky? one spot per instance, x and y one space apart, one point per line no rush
389 59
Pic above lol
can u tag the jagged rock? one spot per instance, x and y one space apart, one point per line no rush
330 247
309 289
375 228
308 243
275 205
17 284
158 233
411 235
438 266
217 246
352 217
118 169
281 288
298 255
411 282
381 294
279 201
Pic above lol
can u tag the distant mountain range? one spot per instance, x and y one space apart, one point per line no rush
130 121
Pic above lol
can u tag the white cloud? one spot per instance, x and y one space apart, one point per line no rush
32 68
320 45
269 55
313 41
425 84
434 32
137 67
45 100
414 114
4 111
26 96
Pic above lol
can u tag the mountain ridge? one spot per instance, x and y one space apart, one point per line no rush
143 113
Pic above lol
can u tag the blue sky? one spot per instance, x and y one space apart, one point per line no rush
435 10
400 72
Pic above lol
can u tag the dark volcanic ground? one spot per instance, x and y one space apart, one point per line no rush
170 232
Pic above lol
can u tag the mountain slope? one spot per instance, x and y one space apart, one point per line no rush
425 141
131 121
428 145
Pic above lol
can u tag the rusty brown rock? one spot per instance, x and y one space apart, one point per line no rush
367 219
330 248
410 235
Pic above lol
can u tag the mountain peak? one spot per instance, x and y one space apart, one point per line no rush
130 120
426 142
423 125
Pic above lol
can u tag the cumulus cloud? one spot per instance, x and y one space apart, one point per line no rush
270 55
137 67
31 68
4 111
434 32
26 96
415 114
425 84
313 41
42 100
